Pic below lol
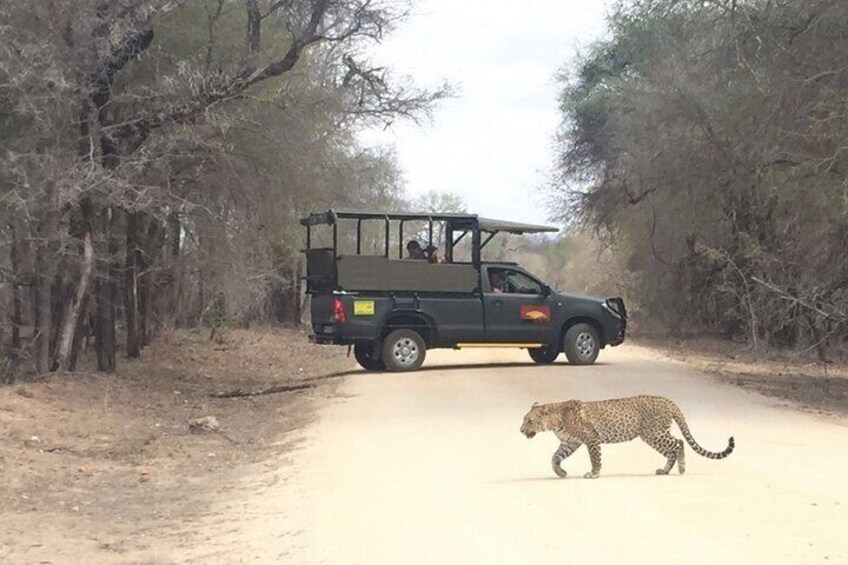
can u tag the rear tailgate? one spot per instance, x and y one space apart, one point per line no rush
323 319
343 318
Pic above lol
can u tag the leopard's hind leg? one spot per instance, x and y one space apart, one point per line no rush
681 457
670 447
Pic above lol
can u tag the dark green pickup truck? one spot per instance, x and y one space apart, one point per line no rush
391 309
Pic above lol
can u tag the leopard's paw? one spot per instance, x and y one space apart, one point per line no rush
591 475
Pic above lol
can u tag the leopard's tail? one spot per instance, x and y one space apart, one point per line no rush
684 428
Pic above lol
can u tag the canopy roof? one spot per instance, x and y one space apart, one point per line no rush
495 226
459 221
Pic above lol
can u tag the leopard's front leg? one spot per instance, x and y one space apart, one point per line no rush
565 449
594 447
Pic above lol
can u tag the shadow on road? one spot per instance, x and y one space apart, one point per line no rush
455 367
579 476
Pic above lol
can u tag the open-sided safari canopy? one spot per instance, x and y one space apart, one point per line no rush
328 270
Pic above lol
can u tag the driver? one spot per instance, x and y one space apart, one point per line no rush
497 282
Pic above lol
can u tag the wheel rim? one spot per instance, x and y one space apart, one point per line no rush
585 345
405 351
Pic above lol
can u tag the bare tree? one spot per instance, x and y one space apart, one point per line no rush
137 134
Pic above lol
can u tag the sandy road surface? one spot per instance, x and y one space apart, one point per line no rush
431 468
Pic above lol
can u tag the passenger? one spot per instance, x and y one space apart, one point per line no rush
414 251
433 256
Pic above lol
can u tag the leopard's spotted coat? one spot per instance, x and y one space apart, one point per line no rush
612 421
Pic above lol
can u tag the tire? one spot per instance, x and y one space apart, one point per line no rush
404 350
362 352
543 355
581 344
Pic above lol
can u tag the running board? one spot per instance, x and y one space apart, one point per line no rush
499 345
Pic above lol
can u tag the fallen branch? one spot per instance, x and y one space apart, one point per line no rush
272 389
288 386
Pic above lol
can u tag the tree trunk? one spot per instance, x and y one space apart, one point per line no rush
102 336
131 271
17 304
106 294
144 304
59 297
80 318
41 313
171 258
64 358
148 259
83 330
44 270
254 26
297 291
110 159
201 295
304 305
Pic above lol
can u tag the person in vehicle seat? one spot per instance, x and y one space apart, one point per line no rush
501 282
497 282
432 253
414 251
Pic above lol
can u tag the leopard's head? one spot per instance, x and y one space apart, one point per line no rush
538 419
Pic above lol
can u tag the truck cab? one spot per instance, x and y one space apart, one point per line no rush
392 309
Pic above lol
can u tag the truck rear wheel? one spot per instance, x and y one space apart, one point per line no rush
363 353
581 344
543 355
404 350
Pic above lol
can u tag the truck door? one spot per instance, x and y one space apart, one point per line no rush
517 310
458 319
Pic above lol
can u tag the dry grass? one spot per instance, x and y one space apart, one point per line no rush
112 456
815 386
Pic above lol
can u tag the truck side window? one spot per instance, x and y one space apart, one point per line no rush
512 282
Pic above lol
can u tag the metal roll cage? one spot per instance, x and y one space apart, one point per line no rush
460 224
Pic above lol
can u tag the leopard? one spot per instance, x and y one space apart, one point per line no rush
577 422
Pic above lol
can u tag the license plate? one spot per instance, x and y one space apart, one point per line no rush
363 307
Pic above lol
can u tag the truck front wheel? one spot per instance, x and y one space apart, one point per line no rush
364 356
581 344
404 350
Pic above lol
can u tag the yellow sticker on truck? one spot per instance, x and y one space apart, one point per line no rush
363 307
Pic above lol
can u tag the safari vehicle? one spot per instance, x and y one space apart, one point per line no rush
391 309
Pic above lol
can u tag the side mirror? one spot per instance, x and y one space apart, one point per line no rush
546 290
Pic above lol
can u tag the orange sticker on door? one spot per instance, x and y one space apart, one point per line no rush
536 314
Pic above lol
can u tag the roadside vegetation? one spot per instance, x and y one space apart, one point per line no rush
157 154
702 154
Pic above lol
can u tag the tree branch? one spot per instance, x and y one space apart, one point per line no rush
836 316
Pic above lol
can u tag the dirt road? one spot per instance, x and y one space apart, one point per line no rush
431 468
